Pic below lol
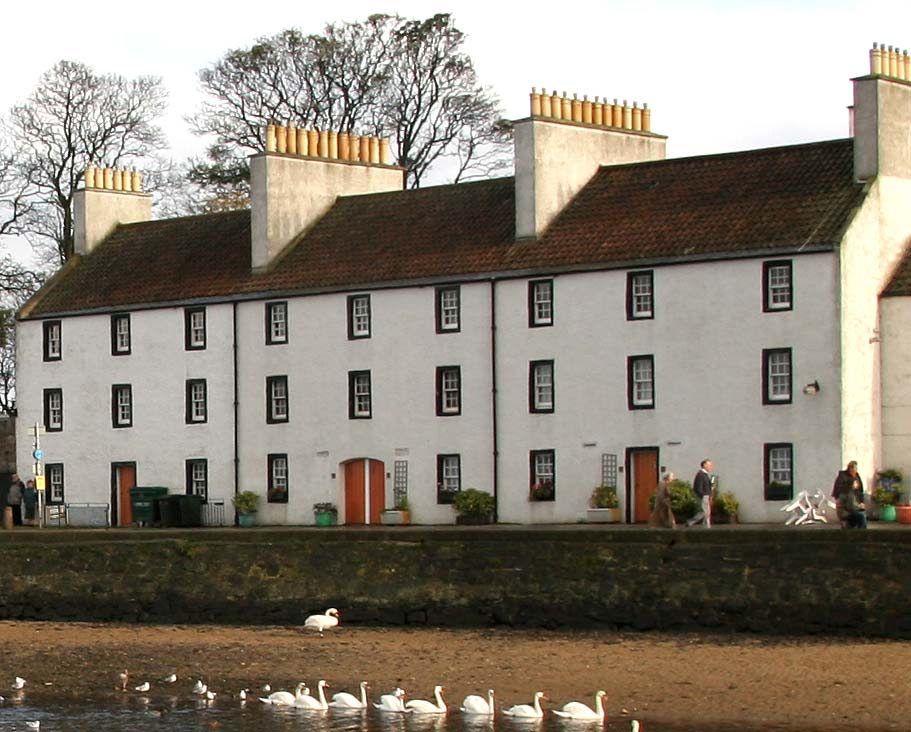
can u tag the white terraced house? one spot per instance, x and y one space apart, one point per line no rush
602 316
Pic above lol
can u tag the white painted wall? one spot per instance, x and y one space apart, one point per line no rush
402 356
870 251
707 339
895 325
159 441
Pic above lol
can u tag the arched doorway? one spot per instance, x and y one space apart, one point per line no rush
365 491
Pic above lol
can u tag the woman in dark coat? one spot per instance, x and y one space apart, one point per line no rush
662 515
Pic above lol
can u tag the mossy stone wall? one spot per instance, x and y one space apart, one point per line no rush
765 580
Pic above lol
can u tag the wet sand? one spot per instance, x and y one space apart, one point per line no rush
688 680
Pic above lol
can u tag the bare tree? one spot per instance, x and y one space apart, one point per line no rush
74 118
13 198
385 75
17 284
433 105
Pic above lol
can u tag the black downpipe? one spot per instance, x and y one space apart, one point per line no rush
236 408
493 400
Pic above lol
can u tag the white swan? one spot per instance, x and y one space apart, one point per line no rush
282 698
305 701
199 687
578 710
392 702
144 686
19 683
422 706
327 620
344 700
170 679
474 704
527 711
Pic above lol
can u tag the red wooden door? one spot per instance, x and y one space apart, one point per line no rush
377 490
354 492
126 479
645 481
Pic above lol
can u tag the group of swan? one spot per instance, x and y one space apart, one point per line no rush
395 703
301 697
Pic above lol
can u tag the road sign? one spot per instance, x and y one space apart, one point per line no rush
39 482
38 454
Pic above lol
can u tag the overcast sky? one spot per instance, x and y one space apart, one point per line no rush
719 76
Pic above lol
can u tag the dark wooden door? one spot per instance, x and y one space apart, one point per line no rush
377 490
644 481
124 476
354 493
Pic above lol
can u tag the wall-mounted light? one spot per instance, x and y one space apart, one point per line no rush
811 388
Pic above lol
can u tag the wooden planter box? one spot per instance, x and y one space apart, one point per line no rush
473 520
394 517
603 515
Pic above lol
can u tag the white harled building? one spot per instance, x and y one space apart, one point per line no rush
603 316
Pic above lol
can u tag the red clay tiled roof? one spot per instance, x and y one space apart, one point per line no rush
735 204
900 284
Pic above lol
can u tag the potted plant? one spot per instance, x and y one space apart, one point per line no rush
246 503
724 508
473 506
397 516
604 506
541 491
325 513
683 500
888 493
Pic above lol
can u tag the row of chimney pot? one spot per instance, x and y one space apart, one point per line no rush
890 62
112 179
327 144
601 114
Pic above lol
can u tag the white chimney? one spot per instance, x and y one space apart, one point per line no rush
100 207
882 120
556 156
291 191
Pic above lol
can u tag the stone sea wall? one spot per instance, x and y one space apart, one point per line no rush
767 580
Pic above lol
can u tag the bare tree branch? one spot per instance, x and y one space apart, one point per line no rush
74 118
383 76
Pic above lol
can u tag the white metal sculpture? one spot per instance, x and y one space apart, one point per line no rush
808 508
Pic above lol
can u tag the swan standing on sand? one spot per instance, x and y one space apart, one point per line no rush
578 710
527 711
474 704
305 701
422 706
344 700
392 702
319 623
282 698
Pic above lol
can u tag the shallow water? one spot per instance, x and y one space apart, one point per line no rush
137 713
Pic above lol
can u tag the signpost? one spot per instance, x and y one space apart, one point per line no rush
37 471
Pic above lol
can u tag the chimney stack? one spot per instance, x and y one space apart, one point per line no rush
110 197
564 142
293 184
881 117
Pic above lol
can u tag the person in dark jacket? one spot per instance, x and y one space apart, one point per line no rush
848 493
702 487
848 478
14 498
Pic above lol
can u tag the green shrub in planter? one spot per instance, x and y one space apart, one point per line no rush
726 504
472 503
604 496
246 502
683 499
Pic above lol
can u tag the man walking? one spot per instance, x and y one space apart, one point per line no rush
702 487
